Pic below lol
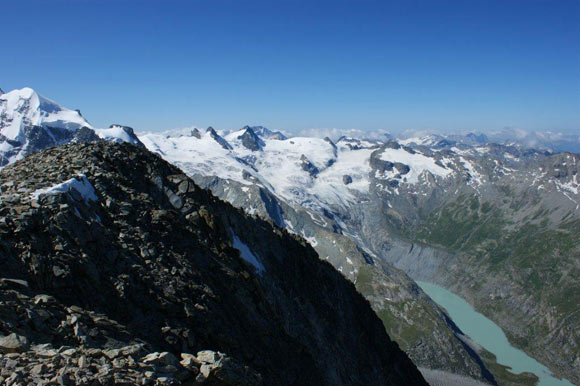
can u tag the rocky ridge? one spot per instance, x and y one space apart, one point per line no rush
137 279
420 327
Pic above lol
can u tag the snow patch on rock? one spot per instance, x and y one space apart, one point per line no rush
80 184
247 254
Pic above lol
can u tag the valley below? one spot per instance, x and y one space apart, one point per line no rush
483 332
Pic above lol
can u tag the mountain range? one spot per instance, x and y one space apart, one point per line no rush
495 222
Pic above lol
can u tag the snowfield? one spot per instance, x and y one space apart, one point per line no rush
418 163
278 166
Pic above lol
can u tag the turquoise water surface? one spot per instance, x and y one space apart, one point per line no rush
489 335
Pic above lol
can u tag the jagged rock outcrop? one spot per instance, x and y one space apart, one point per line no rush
195 133
264 132
250 140
218 138
117 268
308 166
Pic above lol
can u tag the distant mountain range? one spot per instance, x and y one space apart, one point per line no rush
552 142
495 218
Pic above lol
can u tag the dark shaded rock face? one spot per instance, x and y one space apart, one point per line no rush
402 168
40 137
308 166
84 134
139 282
263 132
250 140
392 144
218 138
380 165
330 142
195 133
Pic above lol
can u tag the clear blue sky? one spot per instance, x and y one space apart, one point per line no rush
392 65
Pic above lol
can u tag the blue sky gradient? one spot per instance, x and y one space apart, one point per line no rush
386 65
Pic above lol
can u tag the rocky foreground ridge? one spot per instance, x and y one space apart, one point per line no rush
117 269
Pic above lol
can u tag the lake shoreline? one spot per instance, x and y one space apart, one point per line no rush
488 335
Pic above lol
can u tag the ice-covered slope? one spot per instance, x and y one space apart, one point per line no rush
119 133
198 154
310 172
549 141
330 177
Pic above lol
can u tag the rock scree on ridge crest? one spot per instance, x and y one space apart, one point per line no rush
132 278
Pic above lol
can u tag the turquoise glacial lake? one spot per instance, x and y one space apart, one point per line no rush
487 334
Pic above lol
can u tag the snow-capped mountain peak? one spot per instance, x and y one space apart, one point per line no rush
30 122
119 133
266 133
24 108
251 140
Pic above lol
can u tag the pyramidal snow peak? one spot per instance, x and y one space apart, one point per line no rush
24 108
30 122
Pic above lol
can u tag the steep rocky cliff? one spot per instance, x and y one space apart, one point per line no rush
497 224
271 182
114 264
418 325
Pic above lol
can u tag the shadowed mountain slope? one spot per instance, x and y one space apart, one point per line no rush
106 247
